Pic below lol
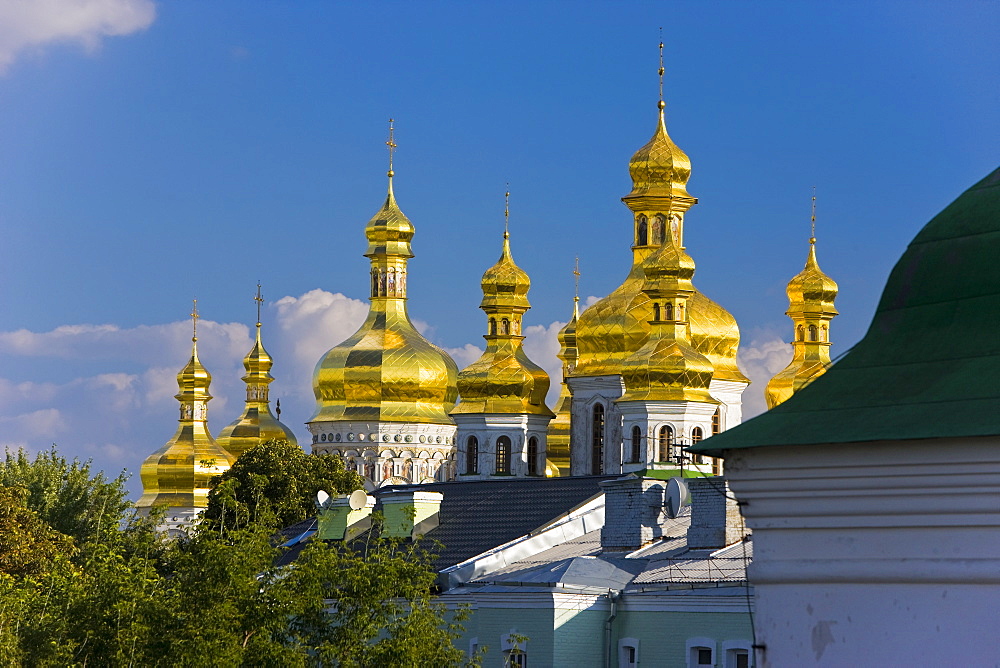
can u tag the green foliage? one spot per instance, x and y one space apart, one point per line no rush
116 593
275 485
67 494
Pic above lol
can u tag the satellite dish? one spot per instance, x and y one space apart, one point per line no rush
677 497
321 498
358 499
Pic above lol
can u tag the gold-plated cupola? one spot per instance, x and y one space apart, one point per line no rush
667 367
618 325
558 441
386 371
178 474
811 294
257 424
504 379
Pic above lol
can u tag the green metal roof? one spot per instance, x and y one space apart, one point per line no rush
929 366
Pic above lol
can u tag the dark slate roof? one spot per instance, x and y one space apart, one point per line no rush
928 366
477 516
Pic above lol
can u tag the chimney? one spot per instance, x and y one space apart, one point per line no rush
409 514
338 521
633 513
715 518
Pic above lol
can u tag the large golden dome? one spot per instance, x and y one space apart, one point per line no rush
386 371
618 325
504 379
178 474
257 424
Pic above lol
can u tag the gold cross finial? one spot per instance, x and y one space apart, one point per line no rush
576 280
259 298
662 103
812 238
506 211
194 321
391 144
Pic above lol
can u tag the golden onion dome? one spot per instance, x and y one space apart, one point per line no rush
179 473
660 168
557 443
505 283
257 424
504 379
386 371
668 367
811 285
811 294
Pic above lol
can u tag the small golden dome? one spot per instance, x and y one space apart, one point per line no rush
386 371
811 284
667 367
504 379
257 424
505 284
660 168
179 473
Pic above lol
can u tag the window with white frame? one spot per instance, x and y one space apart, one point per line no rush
628 653
473 647
515 650
700 652
737 654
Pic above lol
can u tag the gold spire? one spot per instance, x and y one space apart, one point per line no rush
504 379
256 425
178 474
386 371
811 296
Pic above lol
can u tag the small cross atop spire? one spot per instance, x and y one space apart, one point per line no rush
391 144
506 211
194 321
576 280
812 237
662 103
260 300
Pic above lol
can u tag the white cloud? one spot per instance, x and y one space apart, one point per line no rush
45 423
764 356
31 24
465 355
542 347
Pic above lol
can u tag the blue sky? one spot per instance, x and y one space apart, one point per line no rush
156 152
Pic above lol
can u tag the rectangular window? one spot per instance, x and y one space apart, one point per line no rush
704 657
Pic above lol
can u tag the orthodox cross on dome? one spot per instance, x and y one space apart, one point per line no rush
812 237
391 144
662 103
259 298
506 211
194 321
576 279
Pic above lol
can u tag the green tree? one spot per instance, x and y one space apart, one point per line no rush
275 485
68 495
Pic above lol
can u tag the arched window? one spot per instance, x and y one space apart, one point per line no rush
696 436
812 332
656 312
636 443
493 326
533 456
716 421
503 455
800 333
391 284
472 455
666 442
641 236
597 441
668 309
504 326
822 336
